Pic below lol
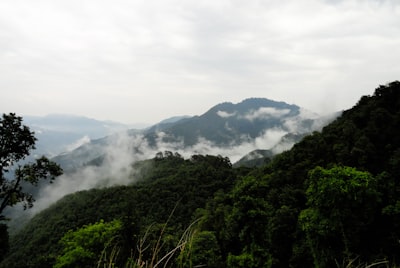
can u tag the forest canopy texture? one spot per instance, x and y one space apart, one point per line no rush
333 200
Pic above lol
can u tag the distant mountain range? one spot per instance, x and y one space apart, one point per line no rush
58 133
97 154
229 129
229 124
332 196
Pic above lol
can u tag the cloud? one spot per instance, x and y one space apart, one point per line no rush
55 54
266 113
306 120
301 122
115 169
115 160
84 140
269 138
123 150
225 114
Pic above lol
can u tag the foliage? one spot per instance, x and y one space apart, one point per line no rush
342 204
82 247
16 142
332 200
365 138
172 184
200 250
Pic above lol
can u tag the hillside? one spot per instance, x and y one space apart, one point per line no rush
253 124
167 185
228 129
57 133
331 200
314 209
260 157
228 124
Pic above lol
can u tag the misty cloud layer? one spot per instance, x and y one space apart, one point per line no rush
123 150
129 60
266 112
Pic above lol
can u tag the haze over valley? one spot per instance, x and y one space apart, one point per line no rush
219 134
91 158
189 164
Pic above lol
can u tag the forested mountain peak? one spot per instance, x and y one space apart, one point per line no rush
360 215
228 124
228 129
367 135
331 200
248 105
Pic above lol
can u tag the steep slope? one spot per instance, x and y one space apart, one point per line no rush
58 133
313 209
165 124
333 199
253 124
170 189
260 157
228 124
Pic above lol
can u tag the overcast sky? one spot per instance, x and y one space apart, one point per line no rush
143 61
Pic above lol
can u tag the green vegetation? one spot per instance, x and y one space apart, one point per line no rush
172 186
16 143
341 203
333 200
82 247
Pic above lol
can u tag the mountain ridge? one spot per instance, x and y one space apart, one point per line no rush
257 122
332 196
58 133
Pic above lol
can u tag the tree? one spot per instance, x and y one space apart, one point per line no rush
247 223
202 250
342 202
16 143
90 244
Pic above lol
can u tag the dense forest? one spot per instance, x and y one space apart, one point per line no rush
333 200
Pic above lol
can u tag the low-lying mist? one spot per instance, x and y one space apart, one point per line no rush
123 150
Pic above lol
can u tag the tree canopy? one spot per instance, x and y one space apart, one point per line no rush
333 200
16 143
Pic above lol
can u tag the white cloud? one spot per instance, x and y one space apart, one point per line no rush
269 138
301 122
266 113
123 150
191 55
116 169
225 114
85 139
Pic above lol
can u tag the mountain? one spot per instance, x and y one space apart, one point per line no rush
227 129
229 124
331 200
261 157
167 185
57 133
255 158
166 123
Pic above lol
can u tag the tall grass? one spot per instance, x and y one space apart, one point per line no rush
352 263
139 257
